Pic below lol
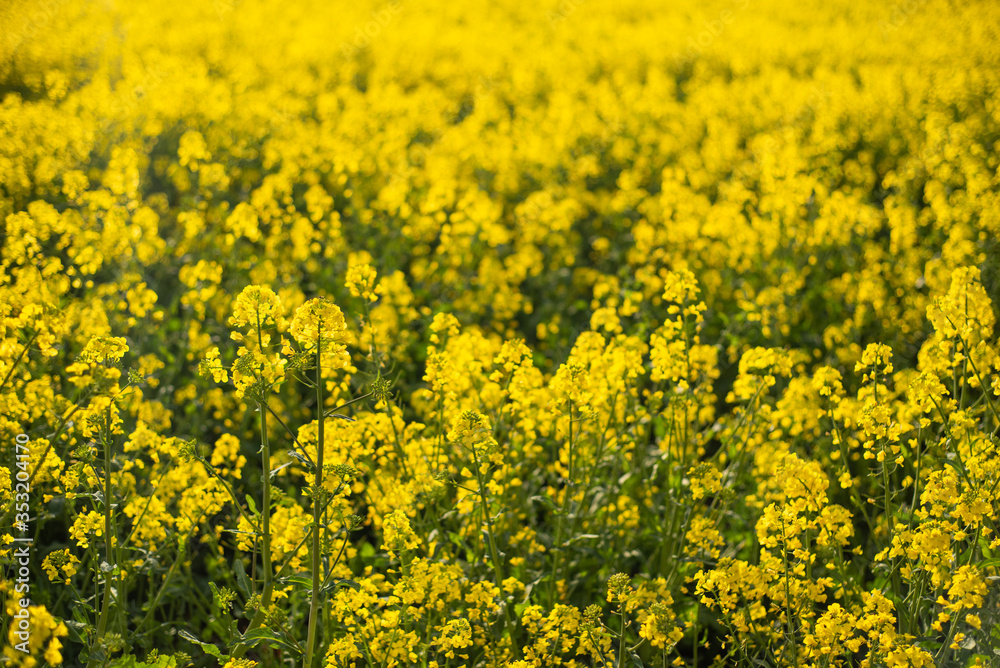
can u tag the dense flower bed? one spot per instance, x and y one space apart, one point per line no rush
499 334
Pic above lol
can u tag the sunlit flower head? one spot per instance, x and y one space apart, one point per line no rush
103 349
362 281
256 306
397 534
318 320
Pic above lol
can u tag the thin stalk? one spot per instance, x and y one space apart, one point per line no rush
621 636
788 595
102 622
138 520
697 613
336 560
268 575
24 351
317 486
166 579
333 411
52 439
45 453
397 443
914 503
592 473
897 586
232 494
979 377
439 443
560 520
494 553
946 645
291 435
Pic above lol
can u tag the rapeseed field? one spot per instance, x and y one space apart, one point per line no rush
509 334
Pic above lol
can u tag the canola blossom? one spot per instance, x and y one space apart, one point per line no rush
405 332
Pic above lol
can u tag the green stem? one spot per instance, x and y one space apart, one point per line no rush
24 351
621 636
265 448
579 516
333 411
102 622
43 458
975 369
291 435
336 560
494 553
138 520
317 486
697 613
166 580
265 599
560 520
788 595
232 494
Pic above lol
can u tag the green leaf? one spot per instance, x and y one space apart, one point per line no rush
302 460
165 661
79 610
209 647
274 472
76 629
548 503
252 505
242 581
340 583
302 580
266 635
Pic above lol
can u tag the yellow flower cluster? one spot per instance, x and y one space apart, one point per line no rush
398 536
569 333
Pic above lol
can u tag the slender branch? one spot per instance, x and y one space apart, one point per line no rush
317 486
24 351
